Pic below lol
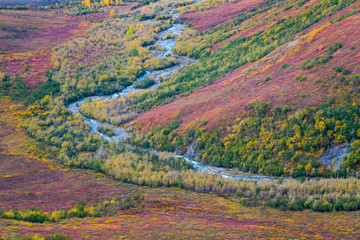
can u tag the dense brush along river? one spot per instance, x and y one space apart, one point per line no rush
121 134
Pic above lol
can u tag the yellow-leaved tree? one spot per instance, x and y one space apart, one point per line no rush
86 2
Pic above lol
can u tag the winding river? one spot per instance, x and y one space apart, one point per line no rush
121 134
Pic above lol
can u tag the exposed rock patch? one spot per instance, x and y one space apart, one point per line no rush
333 157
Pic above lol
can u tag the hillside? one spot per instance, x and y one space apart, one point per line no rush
299 67
228 96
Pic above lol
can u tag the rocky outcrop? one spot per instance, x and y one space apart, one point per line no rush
333 157
191 152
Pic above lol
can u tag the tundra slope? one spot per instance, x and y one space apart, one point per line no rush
302 72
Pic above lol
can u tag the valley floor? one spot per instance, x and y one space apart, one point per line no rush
170 214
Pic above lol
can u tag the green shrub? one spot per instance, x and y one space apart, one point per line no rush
284 66
134 52
38 216
298 77
307 64
145 17
356 79
57 237
146 83
322 206
322 59
297 205
259 107
338 69
159 63
332 49
107 130
345 71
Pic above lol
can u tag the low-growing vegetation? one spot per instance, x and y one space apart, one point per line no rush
159 63
38 216
144 84
114 111
36 237
107 130
80 210
318 60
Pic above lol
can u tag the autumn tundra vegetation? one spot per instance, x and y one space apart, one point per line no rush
266 88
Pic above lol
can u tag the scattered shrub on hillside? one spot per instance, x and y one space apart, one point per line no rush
322 59
332 49
307 64
134 52
345 71
284 66
259 107
342 70
356 79
299 78
2 77
318 60
338 69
